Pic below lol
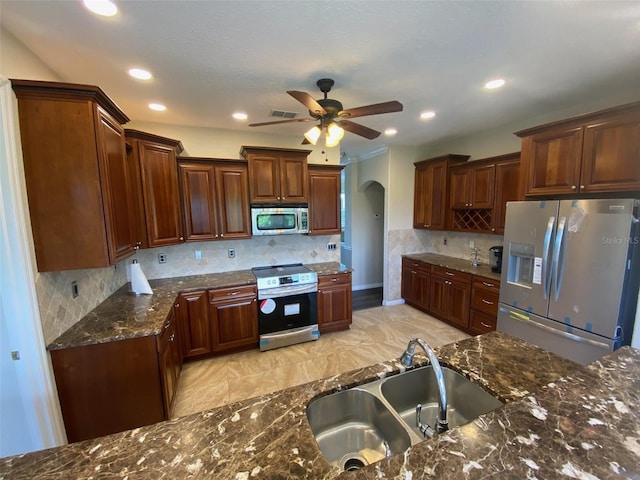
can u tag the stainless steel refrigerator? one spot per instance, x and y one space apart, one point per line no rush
570 275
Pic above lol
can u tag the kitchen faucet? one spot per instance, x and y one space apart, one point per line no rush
407 360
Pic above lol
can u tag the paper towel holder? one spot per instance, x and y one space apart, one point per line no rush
139 283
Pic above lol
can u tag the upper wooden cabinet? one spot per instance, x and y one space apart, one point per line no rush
159 200
508 188
77 175
593 153
472 186
431 191
324 199
277 175
215 198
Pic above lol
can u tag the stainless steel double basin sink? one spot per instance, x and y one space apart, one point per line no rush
367 423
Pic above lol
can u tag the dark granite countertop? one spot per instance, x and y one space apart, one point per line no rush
560 420
125 315
454 263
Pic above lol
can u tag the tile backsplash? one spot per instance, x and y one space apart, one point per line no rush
59 310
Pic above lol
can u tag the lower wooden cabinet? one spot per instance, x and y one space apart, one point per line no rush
466 301
334 302
109 387
416 283
233 314
170 357
195 328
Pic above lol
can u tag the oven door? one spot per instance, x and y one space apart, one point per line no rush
285 312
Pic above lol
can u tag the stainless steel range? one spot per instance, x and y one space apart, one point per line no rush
287 305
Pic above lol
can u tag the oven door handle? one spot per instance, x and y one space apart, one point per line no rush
288 290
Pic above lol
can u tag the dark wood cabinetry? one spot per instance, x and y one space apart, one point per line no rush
234 318
195 328
590 154
431 191
170 358
159 208
466 301
472 186
324 199
215 199
508 188
334 302
77 174
109 387
277 175
416 283
485 293
449 296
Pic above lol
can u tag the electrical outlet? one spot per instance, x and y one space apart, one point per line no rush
331 246
232 253
198 255
74 289
472 244
162 258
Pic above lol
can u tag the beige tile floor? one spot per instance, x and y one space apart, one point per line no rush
377 334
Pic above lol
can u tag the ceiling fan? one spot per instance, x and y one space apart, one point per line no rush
332 117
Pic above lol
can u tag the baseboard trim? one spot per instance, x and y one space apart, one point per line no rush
366 286
389 303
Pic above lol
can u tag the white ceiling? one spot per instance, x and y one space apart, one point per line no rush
211 58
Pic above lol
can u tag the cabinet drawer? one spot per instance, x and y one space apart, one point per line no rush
484 282
339 279
220 294
485 300
416 265
450 274
481 322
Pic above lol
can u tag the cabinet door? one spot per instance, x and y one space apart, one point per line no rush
460 188
324 201
195 326
422 187
334 302
232 201
293 178
117 187
507 190
264 178
198 200
430 196
611 155
416 284
170 362
159 172
438 303
482 186
551 161
234 322
458 297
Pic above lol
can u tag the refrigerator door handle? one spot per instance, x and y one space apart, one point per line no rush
546 278
558 249
555 331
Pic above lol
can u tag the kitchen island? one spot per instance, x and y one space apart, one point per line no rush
560 420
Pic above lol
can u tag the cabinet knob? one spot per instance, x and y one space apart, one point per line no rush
136 247
493 229
428 226
221 235
573 187
182 239
471 204
581 187
177 305
172 337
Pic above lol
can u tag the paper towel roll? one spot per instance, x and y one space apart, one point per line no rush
139 283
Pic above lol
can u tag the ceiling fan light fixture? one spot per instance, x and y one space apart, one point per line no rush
313 135
334 135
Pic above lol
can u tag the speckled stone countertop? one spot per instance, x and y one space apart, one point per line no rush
560 420
125 315
454 263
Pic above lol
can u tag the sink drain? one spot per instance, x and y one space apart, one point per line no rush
353 464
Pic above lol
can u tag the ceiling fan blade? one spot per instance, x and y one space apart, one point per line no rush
291 120
308 101
359 129
376 109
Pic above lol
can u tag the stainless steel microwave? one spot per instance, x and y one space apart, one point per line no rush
279 220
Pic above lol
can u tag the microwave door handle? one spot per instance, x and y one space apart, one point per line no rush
558 256
546 277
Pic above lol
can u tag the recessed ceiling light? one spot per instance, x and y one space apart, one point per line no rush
390 131
140 74
106 8
240 116
497 83
158 107
427 115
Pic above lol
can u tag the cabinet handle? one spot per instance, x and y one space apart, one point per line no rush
334 279
573 187
450 274
486 325
167 325
172 337
232 293
487 284
486 301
